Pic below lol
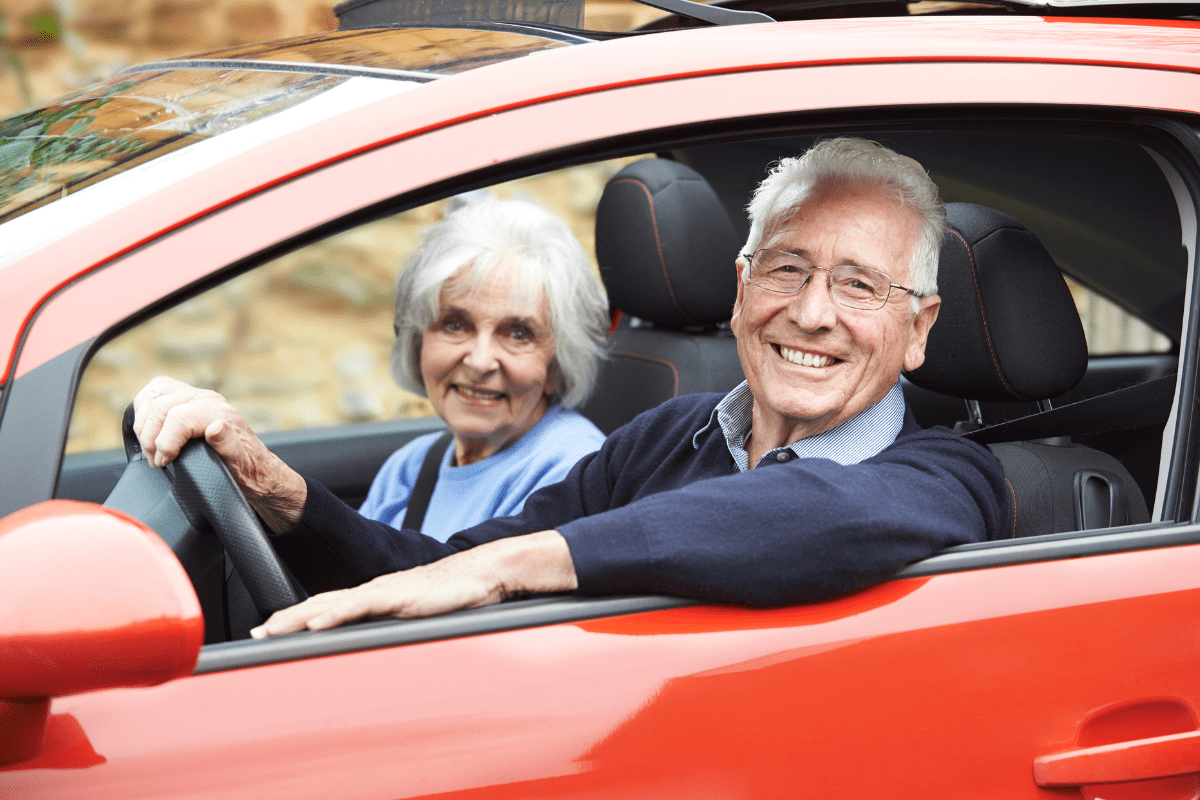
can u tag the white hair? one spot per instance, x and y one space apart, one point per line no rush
847 160
543 262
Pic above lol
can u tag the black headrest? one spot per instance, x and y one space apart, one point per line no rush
666 246
1008 330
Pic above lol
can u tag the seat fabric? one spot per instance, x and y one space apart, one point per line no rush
1009 331
666 250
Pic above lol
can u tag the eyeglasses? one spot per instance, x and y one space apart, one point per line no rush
852 287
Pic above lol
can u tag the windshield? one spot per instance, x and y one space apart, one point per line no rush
48 153
119 179
147 112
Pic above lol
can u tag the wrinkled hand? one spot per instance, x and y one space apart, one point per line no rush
482 576
167 413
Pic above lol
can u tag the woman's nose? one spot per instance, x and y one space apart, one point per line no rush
481 354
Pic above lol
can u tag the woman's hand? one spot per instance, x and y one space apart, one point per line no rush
484 575
167 413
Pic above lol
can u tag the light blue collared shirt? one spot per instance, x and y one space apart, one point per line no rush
855 440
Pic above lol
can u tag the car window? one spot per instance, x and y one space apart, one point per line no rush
1110 329
304 340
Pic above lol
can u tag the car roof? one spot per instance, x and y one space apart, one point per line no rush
545 74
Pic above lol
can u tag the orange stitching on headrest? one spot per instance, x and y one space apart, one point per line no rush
674 371
657 243
983 317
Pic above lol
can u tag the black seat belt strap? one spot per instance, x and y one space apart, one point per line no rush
418 502
1137 406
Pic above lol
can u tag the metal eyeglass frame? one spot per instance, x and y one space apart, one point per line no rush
829 284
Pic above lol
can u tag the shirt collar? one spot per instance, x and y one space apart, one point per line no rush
855 440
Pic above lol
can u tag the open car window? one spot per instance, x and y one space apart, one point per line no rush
304 340
1110 329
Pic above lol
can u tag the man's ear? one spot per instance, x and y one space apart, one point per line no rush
914 356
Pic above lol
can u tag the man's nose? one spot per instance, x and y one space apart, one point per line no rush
813 307
481 354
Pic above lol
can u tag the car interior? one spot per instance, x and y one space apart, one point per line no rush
1028 203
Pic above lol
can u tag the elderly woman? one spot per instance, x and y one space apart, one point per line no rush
501 322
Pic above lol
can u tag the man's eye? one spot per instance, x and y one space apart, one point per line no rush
861 286
787 269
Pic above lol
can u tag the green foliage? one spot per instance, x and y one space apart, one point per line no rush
33 145
45 23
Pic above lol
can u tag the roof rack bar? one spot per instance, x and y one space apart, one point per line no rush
561 14
706 13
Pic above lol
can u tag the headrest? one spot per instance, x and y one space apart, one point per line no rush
666 246
1008 330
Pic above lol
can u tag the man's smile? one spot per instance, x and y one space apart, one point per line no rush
806 359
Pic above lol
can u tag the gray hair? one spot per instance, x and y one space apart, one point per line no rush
542 258
837 162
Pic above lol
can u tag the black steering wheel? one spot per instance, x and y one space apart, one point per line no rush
209 497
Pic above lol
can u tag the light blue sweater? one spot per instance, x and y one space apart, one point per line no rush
494 487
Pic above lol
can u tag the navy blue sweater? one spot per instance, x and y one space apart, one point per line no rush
650 513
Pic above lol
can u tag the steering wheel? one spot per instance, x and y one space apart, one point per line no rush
209 497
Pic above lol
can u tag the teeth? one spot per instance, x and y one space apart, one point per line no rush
479 394
805 359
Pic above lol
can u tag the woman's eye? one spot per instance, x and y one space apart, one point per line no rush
453 324
520 334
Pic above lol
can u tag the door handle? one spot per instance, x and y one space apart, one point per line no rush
1137 760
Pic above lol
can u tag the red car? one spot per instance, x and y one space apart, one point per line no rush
175 208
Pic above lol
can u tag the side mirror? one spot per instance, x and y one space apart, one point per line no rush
92 599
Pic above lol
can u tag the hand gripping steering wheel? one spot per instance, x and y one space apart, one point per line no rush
209 497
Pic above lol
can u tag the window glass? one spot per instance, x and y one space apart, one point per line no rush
49 152
146 113
304 340
1110 329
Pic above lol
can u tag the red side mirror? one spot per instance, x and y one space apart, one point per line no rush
93 599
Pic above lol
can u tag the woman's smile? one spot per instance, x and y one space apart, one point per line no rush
487 365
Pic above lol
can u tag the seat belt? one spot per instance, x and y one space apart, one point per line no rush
422 493
1135 406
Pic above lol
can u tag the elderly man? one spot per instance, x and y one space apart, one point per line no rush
808 481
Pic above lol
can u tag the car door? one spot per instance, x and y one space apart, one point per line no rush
1015 669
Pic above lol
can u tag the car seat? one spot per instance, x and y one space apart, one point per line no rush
1008 332
666 250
